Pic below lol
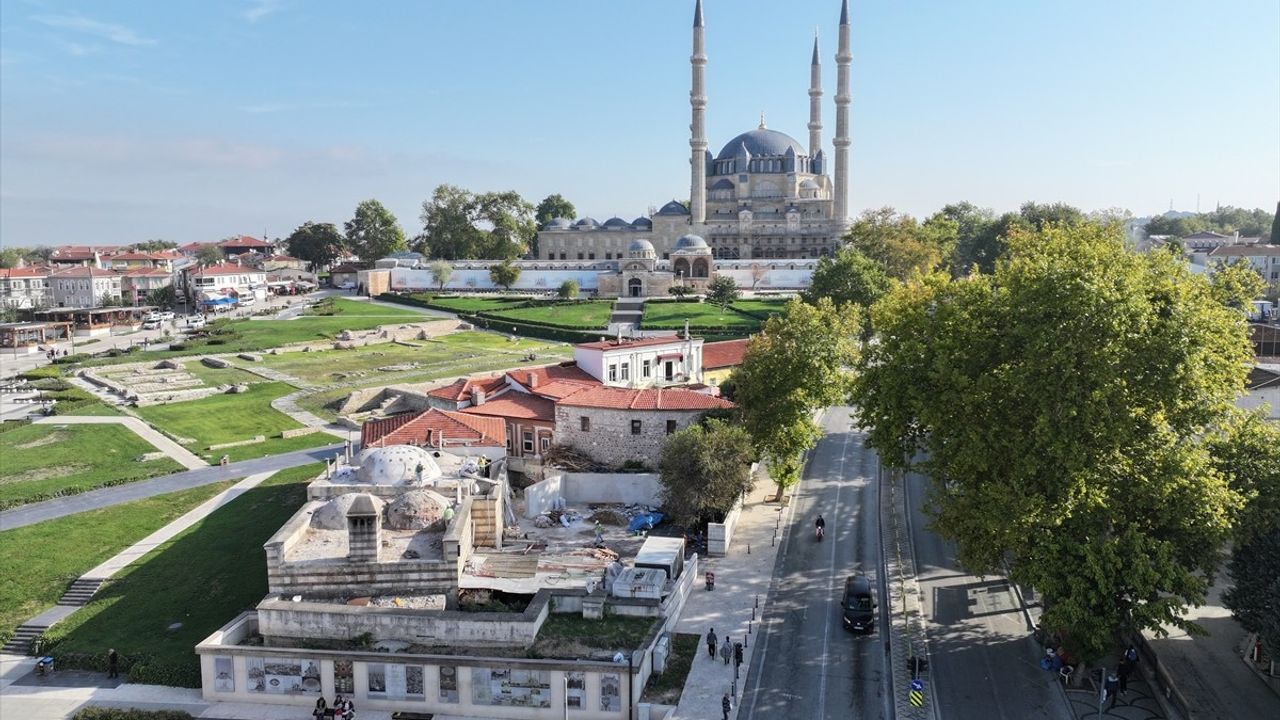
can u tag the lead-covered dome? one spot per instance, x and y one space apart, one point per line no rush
396 465
616 223
690 242
674 207
333 514
558 224
761 141
641 248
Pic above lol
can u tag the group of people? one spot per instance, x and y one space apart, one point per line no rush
728 651
343 709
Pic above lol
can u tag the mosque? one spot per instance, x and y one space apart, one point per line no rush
764 196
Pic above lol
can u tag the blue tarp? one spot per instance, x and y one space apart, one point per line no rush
645 522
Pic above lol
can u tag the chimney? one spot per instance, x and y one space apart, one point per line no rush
533 379
363 530
477 397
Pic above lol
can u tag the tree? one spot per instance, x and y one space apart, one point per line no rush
896 241
1255 593
154 246
552 207
461 225
848 277
373 232
722 291
568 289
11 257
758 273
974 240
1054 405
1236 284
1274 236
505 274
209 255
441 271
679 290
166 296
319 244
798 363
704 469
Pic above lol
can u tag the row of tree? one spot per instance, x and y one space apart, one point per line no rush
1226 220
1073 407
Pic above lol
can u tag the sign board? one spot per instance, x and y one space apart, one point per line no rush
917 685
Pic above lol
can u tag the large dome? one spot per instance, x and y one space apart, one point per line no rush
395 465
761 141
690 242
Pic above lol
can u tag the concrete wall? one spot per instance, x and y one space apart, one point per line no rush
583 488
720 535
470 276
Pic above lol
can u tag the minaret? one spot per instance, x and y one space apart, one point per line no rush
844 57
815 101
697 128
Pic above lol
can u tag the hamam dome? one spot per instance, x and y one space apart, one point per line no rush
395 465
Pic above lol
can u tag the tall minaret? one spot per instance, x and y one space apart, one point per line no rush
815 101
844 57
697 128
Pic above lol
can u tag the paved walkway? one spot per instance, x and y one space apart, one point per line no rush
188 459
106 497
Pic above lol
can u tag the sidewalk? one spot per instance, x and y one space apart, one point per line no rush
741 578
185 457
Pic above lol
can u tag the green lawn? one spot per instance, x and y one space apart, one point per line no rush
228 418
564 633
474 304
672 315
590 315
666 688
361 308
38 562
760 308
214 377
38 462
202 578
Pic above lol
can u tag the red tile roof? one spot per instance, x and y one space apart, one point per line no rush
644 399
74 252
24 272
516 405
434 427
137 256
724 354
192 247
244 241
146 272
460 389
626 343
85 271
536 378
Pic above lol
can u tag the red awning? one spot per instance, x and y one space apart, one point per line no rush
671 356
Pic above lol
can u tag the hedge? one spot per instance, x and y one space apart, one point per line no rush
106 713
137 668
500 324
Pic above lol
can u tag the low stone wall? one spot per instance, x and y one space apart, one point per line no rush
239 443
215 362
593 488
299 432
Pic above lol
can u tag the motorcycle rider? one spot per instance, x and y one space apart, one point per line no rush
820 525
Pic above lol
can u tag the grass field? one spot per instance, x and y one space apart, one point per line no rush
228 418
201 578
38 562
474 304
213 377
44 461
672 315
586 315
760 308
344 307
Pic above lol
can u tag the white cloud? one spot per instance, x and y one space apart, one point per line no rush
108 31
259 9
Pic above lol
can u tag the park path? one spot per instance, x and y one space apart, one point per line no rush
82 590
184 456
30 514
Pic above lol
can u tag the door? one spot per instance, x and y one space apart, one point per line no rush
670 370
633 287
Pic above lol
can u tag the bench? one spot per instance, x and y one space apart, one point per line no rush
404 715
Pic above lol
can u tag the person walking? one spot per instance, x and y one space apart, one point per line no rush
726 705
1122 673
726 650
711 643
737 654
1112 689
113 663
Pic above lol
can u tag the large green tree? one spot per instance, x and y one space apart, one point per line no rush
210 254
154 245
1061 406
722 291
704 469
441 271
800 362
461 225
374 232
317 243
896 241
848 277
552 207
504 273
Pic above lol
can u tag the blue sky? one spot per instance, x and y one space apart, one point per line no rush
195 120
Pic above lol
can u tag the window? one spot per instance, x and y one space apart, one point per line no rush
626 371
564 256
508 442
635 427
671 426
591 256
645 369
527 441
613 373
579 256
545 443
608 256
584 423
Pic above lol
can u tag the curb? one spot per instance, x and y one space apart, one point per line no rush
907 627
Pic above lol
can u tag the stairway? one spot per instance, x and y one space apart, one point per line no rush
627 312
20 643
81 591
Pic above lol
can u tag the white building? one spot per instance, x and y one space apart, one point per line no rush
1265 259
642 362
228 279
23 288
84 287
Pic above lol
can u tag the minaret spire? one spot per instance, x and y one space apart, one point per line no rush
844 58
697 128
815 101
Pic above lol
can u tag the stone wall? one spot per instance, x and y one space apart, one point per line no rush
610 440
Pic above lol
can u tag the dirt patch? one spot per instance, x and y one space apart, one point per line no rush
53 437
43 473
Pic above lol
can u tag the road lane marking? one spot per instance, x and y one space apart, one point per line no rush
826 628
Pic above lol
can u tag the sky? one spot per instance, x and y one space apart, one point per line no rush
195 120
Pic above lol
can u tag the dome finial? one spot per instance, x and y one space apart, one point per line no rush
762 127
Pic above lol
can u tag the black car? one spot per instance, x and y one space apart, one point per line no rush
859 604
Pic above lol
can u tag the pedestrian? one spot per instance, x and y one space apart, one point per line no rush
113 663
726 650
725 705
321 706
737 654
1112 688
711 643
1131 654
1123 673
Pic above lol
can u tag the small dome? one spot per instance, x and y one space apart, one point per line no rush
808 184
640 246
557 224
416 510
586 222
395 465
690 242
674 208
616 222
333 514
642 222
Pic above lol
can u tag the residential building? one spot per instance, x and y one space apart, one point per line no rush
23 288
167 260
77 255
642 362
227 279
1262 389
84 287
720 358
1263 258
137 284
244 243
345 273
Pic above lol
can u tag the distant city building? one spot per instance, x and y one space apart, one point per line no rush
85 287
23 288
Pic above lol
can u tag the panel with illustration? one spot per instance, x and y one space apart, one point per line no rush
511 688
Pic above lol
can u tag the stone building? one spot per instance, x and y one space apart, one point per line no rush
619 425
763 196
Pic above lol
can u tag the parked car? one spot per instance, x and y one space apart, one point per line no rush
196 322
247 301
166 315
348 285
151 324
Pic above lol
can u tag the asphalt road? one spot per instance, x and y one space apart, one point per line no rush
983 659
806 665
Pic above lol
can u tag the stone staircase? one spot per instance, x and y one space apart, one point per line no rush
81 591
627 312
20 643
